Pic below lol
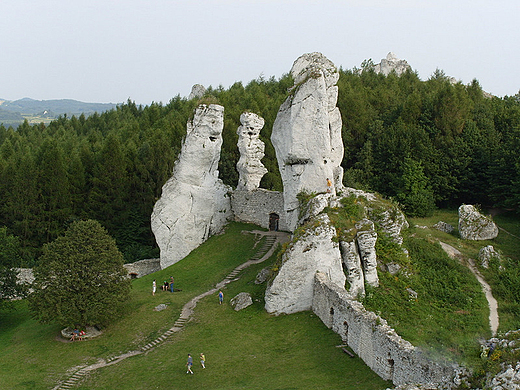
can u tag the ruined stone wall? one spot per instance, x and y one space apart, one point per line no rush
256 206
143 267
370 337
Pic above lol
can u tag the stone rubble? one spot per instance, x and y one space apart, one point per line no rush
443 227
241 301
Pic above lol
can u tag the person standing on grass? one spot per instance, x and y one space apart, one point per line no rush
171 283
189 363
154 287
203 360
220 297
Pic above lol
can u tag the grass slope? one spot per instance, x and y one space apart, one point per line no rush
248 349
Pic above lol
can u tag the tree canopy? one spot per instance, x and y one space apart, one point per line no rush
460 143
80 278
9 259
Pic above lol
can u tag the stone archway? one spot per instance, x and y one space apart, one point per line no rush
273 221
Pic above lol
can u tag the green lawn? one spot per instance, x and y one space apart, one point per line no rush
244 350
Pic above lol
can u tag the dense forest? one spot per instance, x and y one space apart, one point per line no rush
426 144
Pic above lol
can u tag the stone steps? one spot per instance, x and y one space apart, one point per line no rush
182 320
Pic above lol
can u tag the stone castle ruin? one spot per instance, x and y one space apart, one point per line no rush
316 266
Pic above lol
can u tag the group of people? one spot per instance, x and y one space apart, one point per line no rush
189 363
165 287
77 334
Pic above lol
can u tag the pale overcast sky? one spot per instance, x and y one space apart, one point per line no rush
152 50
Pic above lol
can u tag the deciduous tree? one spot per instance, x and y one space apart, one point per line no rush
80 278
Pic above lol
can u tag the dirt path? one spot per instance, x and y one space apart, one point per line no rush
492 302
263 253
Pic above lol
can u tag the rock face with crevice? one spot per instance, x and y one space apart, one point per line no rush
292 289
194 204
307 133
251 148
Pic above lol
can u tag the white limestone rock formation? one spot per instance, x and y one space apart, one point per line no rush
443 227
194 204
475 226
292 289
353 268
366 240
487 253
307 133
241 301
251 148
392 63
197 91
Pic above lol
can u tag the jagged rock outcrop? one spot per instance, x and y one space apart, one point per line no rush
475 226
251 148
392 63
353 268
197 91
292 289
366 241
241 301
194 204
307 133
487 253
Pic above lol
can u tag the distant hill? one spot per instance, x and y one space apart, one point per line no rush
12 113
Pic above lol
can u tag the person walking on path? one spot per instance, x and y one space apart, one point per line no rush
220 297
329 186
189 363
154 287
203 360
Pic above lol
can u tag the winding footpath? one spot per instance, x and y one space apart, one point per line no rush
492 302
263 253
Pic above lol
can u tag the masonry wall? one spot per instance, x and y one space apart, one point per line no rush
370 337
256 206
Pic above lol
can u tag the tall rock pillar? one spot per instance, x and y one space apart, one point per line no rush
307 133
194 203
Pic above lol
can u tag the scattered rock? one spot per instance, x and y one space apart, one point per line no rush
475 226
393 268
194 204
444 227
487 253
160 307
262 276
412 295
241 301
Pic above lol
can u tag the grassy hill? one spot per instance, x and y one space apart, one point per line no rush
251 349
247 349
